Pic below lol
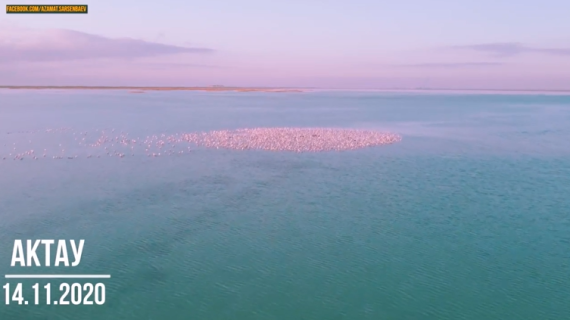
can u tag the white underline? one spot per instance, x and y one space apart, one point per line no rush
57 276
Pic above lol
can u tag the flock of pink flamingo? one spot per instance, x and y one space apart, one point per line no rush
118 144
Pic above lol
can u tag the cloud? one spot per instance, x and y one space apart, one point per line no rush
168 65
65 45
508 49
160 36
453 65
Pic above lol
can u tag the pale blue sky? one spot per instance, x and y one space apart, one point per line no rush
327 43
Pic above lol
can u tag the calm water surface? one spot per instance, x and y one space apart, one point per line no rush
467 218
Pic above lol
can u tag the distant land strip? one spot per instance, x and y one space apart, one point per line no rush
143 89
219 88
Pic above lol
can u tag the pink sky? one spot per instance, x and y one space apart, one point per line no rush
33 52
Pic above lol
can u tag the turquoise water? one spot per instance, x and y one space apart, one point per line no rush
466 218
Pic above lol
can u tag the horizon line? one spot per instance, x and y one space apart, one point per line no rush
221 88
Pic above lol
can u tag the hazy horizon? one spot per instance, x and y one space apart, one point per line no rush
333 45
261 88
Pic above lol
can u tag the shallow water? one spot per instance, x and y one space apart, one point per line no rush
466 218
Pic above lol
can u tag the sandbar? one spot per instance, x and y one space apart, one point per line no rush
144 89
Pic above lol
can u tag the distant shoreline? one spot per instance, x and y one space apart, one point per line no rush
144 89
133 89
